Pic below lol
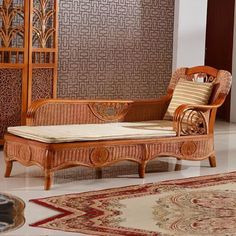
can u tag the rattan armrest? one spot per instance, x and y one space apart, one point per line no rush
196 119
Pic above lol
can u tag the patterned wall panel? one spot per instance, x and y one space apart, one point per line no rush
10 98
115 48
42 83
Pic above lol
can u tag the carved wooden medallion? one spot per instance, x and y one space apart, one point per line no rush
188 148
99 156
109 111
25 153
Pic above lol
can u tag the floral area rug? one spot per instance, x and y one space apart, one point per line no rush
194 206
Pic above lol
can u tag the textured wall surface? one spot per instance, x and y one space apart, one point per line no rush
115 48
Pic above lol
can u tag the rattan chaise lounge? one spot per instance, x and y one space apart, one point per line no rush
66 133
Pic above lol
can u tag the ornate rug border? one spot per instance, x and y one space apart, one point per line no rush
132 190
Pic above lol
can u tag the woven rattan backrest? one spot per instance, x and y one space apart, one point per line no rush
222 79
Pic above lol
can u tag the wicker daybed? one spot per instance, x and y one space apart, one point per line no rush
66 133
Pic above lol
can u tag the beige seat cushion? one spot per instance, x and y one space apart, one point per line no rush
93 132
188 92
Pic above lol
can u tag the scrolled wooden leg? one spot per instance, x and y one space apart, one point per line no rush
48 180
142 169
212 160
9 165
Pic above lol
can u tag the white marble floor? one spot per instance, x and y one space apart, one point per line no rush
27 183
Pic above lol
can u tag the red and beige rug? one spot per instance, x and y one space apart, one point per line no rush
195 206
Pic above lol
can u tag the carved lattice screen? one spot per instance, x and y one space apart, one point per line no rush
28 57
43 49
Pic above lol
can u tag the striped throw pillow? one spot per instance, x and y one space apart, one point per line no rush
188 92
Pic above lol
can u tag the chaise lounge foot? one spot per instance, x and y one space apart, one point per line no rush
142 169
178 165
212 160
48 180
9 165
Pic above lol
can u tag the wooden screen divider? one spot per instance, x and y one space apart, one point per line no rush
28 57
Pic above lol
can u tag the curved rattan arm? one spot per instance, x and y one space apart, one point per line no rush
196 119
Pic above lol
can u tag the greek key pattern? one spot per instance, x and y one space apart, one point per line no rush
115 49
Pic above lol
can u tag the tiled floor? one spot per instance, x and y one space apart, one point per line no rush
27 183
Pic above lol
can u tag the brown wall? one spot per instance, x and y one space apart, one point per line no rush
115 48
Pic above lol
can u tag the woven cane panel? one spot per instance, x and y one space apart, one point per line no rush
42 83
204 147
84 155
26 154
115 49
10 98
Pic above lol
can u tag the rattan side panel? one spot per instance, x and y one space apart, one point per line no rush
62 112
186 148
10 98
84 155
96 155
42 81
72 155
139 112
52 157
58 114
132 152
26 154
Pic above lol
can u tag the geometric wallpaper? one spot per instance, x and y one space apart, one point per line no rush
115 48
